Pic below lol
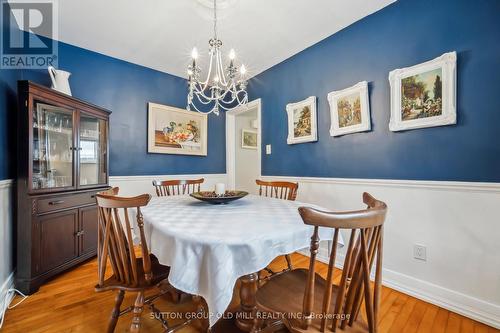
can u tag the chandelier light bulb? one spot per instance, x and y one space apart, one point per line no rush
243 70
216 79
194 53
232 54
190 72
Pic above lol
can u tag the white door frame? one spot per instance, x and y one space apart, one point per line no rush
231 139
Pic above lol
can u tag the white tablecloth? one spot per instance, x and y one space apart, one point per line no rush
208 247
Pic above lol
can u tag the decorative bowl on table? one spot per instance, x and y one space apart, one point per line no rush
211 197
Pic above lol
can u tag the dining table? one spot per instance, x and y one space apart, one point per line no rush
209 247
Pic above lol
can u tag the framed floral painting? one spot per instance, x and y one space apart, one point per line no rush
302 121
349 110
176 131
424 95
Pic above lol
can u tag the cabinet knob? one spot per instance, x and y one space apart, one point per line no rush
57 202
79 233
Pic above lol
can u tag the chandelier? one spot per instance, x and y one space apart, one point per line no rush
224 88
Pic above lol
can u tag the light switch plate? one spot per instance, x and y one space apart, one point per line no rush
268 149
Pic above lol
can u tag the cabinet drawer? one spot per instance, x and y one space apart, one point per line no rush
65 201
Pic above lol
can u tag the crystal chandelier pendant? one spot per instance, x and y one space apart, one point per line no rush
224 88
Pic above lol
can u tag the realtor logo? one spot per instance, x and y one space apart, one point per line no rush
29 34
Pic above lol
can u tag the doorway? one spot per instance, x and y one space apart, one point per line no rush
243 146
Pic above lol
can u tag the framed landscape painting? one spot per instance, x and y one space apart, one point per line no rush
302 121
248 139
349 110
424 95
176 131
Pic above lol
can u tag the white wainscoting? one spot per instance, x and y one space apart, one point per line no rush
458 222
135 185
6 241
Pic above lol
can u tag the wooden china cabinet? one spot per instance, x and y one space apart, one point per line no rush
62 163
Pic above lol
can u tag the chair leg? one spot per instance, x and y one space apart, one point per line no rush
200 308
288 261
257 321
274 326
175 294
138 307
113 319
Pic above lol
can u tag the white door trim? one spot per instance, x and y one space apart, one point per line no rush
231 143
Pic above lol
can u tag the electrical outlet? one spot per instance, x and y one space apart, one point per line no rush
420 252
268 149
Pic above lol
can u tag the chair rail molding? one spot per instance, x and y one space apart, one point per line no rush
424 184
6 183
454 220
133 185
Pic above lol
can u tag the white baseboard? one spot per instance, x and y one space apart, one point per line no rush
6 242
6 285
5 296
465 305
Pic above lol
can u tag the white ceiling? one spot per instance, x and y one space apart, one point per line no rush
161 33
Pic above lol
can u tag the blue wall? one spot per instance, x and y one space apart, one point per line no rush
8 107
403 34
125 89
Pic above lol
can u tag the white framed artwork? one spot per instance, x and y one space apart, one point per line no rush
302 121
424 95
350 110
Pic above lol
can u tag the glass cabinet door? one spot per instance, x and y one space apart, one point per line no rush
52 149
93 159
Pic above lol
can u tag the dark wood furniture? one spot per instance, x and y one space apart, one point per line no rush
177 186
279 190
62 163
338 308
131 273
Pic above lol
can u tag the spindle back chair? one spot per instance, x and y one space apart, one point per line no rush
278 189
131 272
177 186
117 245
340 304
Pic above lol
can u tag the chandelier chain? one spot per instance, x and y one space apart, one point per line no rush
215 19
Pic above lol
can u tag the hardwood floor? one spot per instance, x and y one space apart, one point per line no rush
69 304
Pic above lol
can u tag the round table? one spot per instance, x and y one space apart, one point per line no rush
209 247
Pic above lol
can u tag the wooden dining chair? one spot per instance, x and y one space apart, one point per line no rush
294 297
278 190
177 186
130 273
